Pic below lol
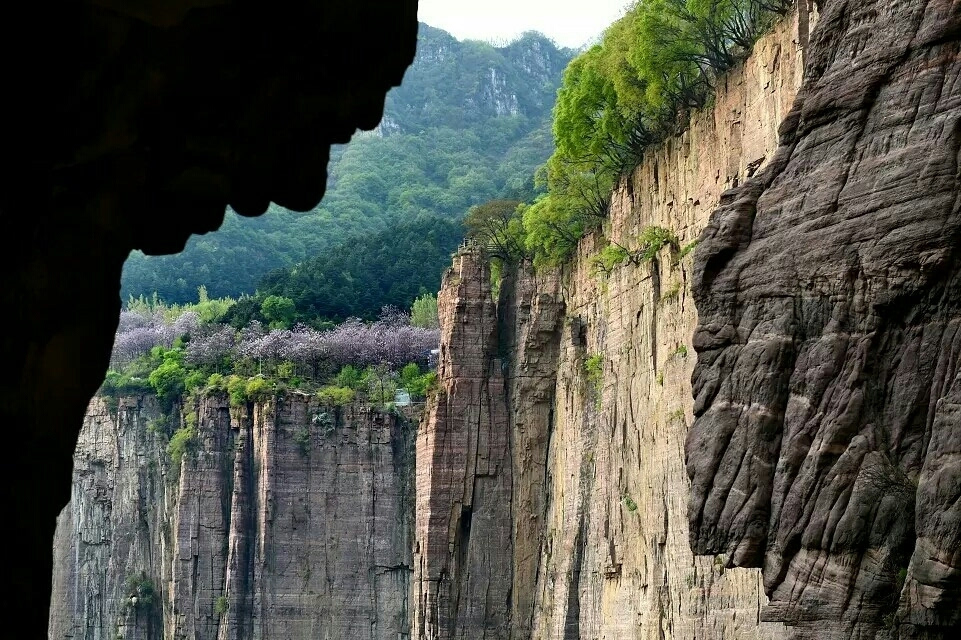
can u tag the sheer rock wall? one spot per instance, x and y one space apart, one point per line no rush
597 489
463 536
827 442
615 558
285 519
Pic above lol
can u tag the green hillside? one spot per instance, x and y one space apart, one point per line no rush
470 123
366 272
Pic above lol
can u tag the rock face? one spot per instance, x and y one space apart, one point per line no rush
463 552
284 520
578 474
827 442
116 527
819 484
454 84
614 559
595 373
530 323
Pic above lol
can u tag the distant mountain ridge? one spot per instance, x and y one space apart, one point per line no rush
471 122
517 79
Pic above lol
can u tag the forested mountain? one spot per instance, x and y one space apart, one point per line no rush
470 123
366 272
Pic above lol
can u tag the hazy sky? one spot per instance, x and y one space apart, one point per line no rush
569 23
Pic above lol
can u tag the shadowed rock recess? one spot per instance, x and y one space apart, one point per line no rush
131 125
827 442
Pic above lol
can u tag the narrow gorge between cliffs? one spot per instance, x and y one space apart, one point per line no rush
751 432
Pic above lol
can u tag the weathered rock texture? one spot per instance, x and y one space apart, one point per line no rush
562 490
463 528
116 526
827 445
596 493
615 560
530 322
285 520
132 125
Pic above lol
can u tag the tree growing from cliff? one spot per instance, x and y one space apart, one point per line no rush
497 228
553 225
169 378
335 396
181 442
139 590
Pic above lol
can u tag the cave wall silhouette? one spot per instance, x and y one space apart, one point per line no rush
131 125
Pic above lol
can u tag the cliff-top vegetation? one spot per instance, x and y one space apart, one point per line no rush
651 70
176 350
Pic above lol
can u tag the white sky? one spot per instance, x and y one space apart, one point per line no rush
570 23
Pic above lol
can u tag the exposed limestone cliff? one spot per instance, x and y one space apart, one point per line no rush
825 440
615 558
463 552
115 527
598 490
827 445
284 521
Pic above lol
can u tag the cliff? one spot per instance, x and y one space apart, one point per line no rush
463 548
588 534
800 479
827 442
284 519
756 437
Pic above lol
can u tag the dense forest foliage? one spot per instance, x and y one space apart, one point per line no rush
471 122
631 91
364 273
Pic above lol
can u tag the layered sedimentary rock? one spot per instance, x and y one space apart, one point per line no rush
116 528
284 520
530 324
615 560
596 372
827 442
463 536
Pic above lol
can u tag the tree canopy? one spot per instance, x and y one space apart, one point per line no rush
635 88
365 272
